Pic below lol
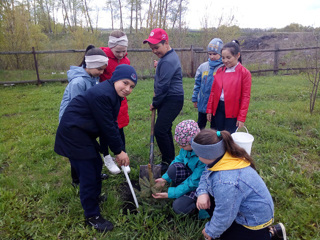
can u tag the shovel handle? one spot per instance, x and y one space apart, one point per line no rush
153 117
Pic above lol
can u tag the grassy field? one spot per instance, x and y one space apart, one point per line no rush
37 200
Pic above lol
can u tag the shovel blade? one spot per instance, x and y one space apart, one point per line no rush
144 172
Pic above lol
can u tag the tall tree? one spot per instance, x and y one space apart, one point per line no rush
87 15
121 19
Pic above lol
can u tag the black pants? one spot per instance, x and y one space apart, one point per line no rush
167 113
239 232
89 172
74 175
223 123
202 121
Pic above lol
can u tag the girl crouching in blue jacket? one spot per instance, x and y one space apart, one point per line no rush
184 171
88 116
243 208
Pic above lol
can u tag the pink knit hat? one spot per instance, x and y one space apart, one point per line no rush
185 131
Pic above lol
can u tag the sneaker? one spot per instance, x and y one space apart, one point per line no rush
99 223
278 231
110 164
127 168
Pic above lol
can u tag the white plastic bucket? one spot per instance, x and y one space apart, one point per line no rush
243 139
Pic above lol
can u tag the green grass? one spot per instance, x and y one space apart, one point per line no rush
28 75
38 202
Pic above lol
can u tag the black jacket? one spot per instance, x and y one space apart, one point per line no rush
88 116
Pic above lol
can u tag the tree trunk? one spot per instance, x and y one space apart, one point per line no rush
66 17
120 10
131 16
87 13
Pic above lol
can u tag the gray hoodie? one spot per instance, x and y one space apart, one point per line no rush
79 82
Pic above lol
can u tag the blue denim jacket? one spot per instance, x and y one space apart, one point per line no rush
240 195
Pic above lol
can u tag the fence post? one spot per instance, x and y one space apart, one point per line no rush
192 60
276 59
36 65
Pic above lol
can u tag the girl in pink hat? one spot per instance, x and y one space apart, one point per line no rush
184 172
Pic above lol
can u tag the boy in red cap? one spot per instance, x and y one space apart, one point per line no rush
168 93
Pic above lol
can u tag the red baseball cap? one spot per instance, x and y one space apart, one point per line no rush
156 36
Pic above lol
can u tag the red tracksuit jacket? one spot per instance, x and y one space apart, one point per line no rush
123 117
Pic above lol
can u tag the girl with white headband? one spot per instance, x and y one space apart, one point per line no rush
117 54
232 191
81 78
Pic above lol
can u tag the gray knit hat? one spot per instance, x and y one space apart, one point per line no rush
215 45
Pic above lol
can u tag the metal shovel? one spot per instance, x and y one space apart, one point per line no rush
155 169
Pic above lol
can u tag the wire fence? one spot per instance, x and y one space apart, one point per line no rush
257 61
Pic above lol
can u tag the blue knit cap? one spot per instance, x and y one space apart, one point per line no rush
124 71
215 45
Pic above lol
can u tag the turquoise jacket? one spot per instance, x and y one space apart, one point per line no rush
190 159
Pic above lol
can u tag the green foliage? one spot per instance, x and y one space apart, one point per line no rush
37 200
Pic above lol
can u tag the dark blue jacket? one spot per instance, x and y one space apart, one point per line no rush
88 116
168 78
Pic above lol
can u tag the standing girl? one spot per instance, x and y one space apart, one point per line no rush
85 76
168 93
230 94
87 117
117 54
81 79
184 172
204 79
232 191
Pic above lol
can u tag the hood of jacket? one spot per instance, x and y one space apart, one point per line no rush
76 72
228 162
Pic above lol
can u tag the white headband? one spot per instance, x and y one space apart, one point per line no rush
95 61
113 41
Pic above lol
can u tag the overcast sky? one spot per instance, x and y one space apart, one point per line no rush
255 13
247 13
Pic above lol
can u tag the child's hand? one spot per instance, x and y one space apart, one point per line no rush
122 159
151 107
160 195
240 124
160 181
206 236
203 201
155 63
209 117
195 104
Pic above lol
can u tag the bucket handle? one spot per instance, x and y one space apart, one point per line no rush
244 127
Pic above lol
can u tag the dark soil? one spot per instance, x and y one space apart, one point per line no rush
127 198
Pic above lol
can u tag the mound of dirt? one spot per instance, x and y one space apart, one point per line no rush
269 41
